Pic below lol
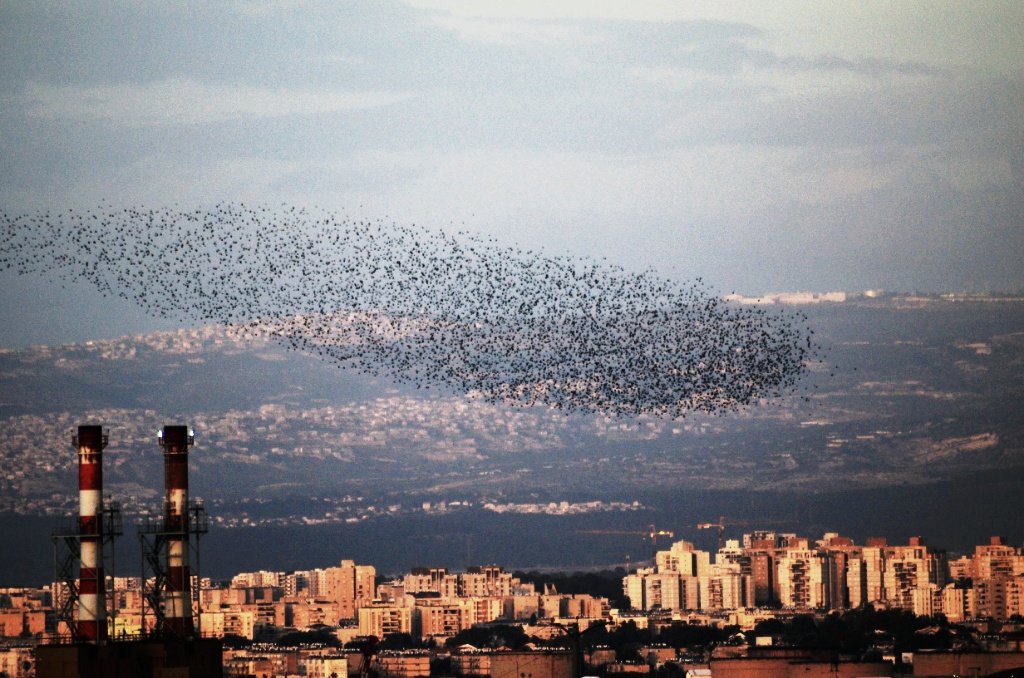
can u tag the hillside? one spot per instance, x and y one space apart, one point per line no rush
909 393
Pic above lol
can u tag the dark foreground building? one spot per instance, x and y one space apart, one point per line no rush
168 658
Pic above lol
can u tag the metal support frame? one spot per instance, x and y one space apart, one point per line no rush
66 563
153 540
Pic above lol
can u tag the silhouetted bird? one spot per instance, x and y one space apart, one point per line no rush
425 307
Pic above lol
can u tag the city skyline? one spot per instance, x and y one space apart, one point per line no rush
763 569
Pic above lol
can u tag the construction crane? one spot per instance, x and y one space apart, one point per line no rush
723 523
650 534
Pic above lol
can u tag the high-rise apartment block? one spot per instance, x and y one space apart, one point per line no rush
350 586
382 620
804 579
833 573
432 580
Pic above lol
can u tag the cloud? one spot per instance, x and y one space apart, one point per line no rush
177 101
945 33
873 67
515 31
545 10
570 23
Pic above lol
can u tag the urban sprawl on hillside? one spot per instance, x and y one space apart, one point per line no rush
749 595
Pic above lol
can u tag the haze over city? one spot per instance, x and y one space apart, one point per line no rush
522 285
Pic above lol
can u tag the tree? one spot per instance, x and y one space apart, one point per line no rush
296 638
681 634
399 641
493 636
233 640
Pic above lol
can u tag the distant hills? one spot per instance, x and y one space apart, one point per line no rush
801 298
910 392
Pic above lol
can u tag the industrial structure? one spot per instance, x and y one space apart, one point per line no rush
170 545
83 550
83 555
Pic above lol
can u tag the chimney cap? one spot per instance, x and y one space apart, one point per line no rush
176 436
91 436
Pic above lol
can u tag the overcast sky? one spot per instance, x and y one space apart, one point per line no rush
761 146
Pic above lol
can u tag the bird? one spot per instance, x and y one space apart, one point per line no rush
426 307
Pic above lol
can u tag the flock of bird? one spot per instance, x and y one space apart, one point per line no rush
426 307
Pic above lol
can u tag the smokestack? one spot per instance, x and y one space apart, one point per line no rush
178 602
92 603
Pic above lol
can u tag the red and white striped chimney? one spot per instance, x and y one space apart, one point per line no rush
178 602
92 604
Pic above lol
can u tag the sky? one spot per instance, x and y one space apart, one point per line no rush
760 146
